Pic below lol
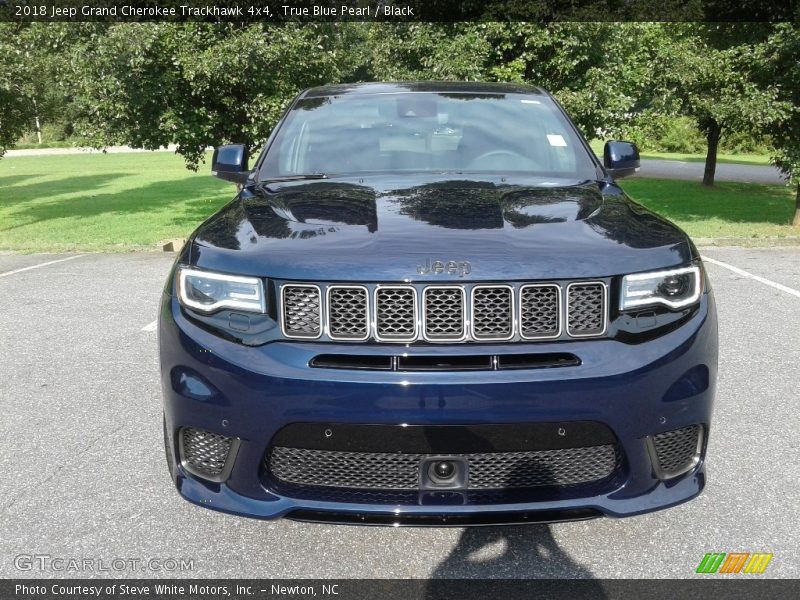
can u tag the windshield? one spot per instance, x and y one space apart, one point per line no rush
428 132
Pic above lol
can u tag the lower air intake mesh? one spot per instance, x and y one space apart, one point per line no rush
393 471
204 453
677 450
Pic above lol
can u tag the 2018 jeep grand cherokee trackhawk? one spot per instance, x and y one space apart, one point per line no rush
431 304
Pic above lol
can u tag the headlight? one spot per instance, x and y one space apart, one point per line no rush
207 292
675 288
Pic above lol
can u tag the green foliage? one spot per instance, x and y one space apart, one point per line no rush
597 70
666 86
198 84
656 132
16 111
451 51
780 63
710 73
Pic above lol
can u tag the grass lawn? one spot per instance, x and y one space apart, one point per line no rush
738 210
108 202
741 159
123 202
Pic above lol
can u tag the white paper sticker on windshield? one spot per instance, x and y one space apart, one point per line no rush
556 140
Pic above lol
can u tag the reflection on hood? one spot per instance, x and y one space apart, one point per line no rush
323 230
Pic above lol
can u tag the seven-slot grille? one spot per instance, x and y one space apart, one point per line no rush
444 313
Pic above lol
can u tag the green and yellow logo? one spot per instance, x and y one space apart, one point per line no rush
734 562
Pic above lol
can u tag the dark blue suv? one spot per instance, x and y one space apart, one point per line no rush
430 304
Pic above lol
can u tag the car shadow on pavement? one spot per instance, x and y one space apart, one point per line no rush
513 552
517 552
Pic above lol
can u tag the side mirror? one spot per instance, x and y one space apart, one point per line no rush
230 163
620 158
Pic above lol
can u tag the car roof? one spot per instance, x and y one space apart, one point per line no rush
462 87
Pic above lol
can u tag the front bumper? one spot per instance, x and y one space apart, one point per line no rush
250 393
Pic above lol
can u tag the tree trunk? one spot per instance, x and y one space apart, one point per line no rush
796 220
38 125
713 135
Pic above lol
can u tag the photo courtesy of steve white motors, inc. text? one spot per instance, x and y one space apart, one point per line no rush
159 590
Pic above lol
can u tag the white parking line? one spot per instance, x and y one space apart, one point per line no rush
150 326
44 264
743 273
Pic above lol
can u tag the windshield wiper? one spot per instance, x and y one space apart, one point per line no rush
295 177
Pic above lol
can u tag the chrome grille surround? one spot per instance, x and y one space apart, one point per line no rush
301 311
586 316
540 311
487 471
444 313
492 320
396 313
347 313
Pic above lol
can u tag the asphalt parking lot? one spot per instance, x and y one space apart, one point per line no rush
84 474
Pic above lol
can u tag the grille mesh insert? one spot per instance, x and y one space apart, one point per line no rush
586 309
347 313
203 451
301 311
539 311
391 471
492 313
396 314
677 449
444 313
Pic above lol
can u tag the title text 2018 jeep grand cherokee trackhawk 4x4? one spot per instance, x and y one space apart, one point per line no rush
431 304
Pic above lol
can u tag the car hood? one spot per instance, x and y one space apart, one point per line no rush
390 230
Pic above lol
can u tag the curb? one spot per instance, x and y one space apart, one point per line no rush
768 242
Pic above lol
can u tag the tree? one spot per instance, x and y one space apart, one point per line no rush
17 112
594 69
709 74
198 84
34 62
780 62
